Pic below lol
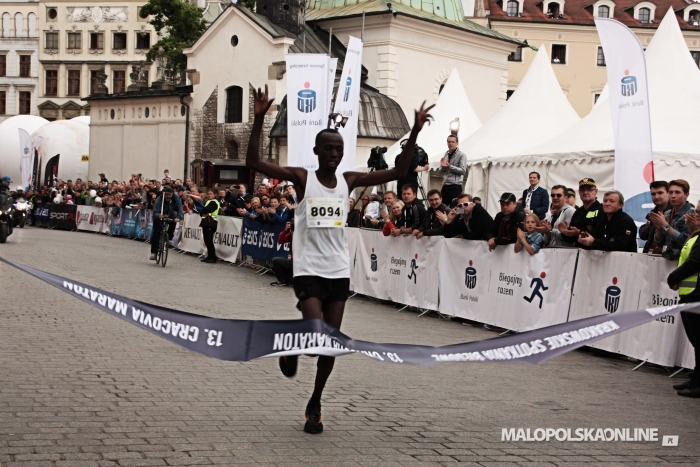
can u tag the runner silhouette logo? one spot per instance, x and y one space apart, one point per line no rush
537 286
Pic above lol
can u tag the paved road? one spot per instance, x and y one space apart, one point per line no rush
81 388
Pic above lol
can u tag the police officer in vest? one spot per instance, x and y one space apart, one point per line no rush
684 279
209 223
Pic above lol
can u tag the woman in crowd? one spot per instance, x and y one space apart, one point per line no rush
529 240
353 214
395 219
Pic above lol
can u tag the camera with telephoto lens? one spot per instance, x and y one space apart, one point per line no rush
376 159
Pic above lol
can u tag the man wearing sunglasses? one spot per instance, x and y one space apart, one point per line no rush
468 220
561 212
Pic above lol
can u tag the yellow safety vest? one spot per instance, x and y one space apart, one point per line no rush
214 214
687 285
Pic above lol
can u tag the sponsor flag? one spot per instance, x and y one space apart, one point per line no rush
347 101
629 109
26 154
308 101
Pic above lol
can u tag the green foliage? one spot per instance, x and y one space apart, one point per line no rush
178 23
249 4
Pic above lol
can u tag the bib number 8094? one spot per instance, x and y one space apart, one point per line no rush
323 211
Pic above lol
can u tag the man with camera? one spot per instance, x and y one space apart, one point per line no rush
453 168
237 197
419 163
468 220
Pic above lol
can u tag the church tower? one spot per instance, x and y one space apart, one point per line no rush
287 14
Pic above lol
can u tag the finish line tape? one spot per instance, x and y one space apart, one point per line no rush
245 340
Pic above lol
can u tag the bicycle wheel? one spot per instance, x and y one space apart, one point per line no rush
164 248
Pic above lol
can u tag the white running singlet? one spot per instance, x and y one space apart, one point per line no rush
319 244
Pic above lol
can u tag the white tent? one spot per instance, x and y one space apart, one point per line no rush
9 143
451 103
587 148
537 110
70 140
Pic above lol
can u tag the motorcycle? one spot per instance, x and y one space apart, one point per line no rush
22 208
6 214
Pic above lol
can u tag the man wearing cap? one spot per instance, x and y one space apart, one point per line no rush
615 230
505 225
5 184
167 204
586 217
535 198
571 195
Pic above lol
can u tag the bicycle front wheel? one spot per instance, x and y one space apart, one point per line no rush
164 249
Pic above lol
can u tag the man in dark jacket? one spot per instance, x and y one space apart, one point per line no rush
535 198
431 224
506 223
413 210
615 231
472 223
659 196
586 217
209 224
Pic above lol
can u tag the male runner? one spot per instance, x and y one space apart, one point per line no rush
321 259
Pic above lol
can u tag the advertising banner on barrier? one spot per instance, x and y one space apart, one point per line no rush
63 216
490 286
129 217
609 282
260 241
227 239
353 236
115 221
41 215
144 224
92 219
370 265
190 236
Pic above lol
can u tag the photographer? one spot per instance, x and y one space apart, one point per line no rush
468 220
419 163
376 159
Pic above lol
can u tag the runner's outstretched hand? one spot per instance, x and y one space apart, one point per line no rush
261 103
422 116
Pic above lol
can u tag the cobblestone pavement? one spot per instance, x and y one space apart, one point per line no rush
81 388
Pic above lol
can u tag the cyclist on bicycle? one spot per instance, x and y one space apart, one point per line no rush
169 205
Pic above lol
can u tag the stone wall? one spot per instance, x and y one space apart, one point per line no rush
209 139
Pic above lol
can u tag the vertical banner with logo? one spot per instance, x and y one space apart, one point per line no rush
308 101
629 109
347 101
129 217
26 158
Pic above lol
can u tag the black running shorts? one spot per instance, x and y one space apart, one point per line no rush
326 290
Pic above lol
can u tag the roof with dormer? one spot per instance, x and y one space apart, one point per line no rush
580 12
447 13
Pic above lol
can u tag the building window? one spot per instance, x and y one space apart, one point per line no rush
554 11
25 66
558 54
143 40
600 61
73 82
51 40
234 104
696 56
516 56
3 65
512 8
25 102
118 81
74 40
603 11
51 83
97 41
3 103
694 18
644 14
119 41
94 82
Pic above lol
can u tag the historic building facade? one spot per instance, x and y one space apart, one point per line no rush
77 41
19 58
568 31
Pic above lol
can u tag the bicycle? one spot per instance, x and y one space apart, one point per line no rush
162 253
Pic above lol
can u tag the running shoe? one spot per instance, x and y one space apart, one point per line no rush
314 424
288 365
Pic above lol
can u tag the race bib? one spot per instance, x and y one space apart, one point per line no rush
325 212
